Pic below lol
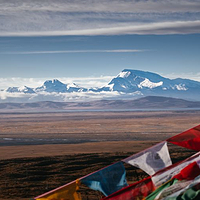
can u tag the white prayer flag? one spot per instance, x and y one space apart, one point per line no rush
151 160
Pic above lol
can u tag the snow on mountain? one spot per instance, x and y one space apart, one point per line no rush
124 74
72 87
134 80
52 86
23 89
59 87
127 84
129 81
148 84
180 87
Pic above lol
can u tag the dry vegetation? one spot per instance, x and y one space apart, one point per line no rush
92 140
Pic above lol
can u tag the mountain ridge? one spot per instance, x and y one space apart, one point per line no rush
128 83
149 102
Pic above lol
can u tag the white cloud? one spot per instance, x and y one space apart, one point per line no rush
100 6
177 27
20 97
88 82
78 51
94 17
44 96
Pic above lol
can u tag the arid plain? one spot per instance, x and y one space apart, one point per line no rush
41 151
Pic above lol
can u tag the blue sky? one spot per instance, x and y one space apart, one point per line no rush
94 40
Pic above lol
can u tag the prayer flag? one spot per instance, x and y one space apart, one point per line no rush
189 192
66 192
151 160
137 190
168 173
107 180
189 139
178 186
157 192
190 172
185 177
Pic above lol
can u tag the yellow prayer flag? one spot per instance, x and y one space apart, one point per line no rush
67 192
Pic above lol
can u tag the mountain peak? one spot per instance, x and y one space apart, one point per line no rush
23 89
53 82
55 85
124 74
145 74
149 83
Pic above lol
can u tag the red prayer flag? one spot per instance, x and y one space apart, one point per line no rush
137 190
189 172
189 139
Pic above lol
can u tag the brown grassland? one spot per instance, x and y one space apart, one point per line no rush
42 151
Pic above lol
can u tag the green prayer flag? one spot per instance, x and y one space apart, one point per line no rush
190 194
154 194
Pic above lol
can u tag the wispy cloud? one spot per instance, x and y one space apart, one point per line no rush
78 51
88 82
101 6
45 96
177 27
94 17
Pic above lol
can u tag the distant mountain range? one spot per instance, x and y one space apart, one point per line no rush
150 102
127 84
48 86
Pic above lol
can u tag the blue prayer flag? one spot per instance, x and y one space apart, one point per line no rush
108 180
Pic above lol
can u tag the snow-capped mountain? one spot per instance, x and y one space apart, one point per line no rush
148 83
52 86
49 86
23 89
59 87
127 84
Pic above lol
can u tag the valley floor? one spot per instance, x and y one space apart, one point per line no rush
42 151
